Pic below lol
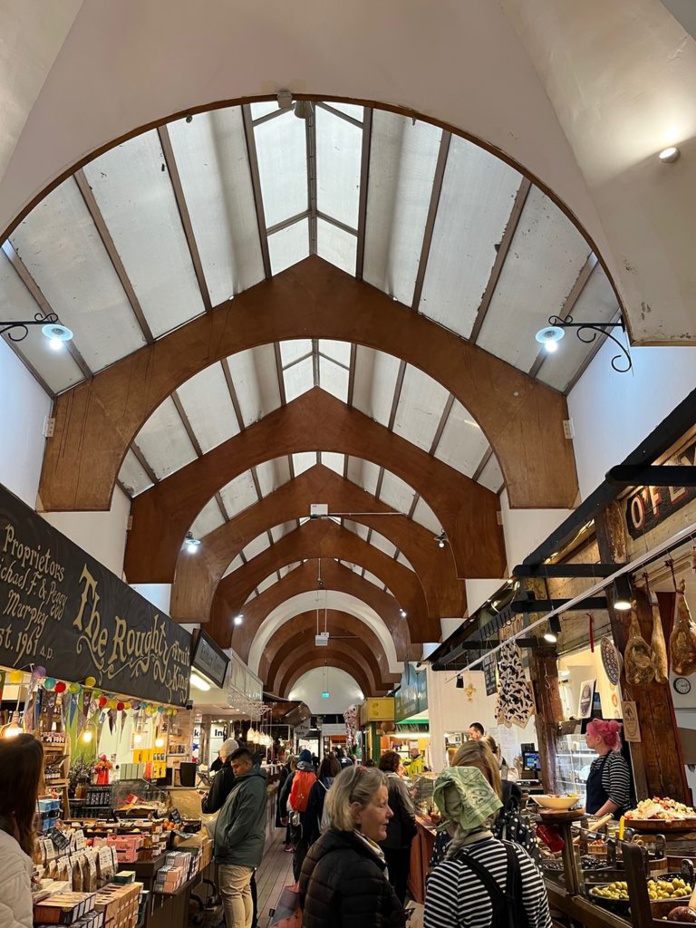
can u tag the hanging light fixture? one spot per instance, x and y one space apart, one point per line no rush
622 593
51 327
441 539
304 109
554 630
586 332
238 619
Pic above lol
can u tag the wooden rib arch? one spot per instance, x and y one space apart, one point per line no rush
98 420
326 539
296 664
196 578
315 421
303 579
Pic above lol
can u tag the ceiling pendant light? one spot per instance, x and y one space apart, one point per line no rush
191 544
549 337
51 326
669 155
622 593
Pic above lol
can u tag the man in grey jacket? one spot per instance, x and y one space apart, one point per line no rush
240 834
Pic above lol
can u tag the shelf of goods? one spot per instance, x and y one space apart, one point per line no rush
640 880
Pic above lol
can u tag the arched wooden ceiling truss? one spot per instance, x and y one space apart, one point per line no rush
304 579
288 647
248 292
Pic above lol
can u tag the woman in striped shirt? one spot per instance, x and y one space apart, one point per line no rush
482 882
608 787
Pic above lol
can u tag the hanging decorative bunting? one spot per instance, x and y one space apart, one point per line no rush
112 720
515 700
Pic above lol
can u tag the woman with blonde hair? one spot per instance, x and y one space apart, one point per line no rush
483 882
508 823
21 773
343 883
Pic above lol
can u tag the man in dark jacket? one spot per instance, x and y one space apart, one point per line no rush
223 781
240 834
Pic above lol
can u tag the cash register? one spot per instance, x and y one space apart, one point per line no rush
531 767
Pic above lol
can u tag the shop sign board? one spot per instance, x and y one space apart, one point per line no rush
63 610
648 506
412 695
377 710
490 674
210 659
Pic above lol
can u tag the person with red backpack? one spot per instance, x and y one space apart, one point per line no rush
483 882
303 780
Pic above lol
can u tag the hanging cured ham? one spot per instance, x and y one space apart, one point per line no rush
659 648
639 668
682 642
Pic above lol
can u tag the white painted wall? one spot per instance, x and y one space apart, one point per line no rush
450 710
24 408
342 687
101 534
159 594
525 529
612 413
478 591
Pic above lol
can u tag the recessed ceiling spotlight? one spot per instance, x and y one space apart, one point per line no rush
549 337
669 155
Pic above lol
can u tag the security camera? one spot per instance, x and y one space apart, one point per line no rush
189 704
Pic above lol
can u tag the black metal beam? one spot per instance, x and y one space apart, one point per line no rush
665 475
565 570
546 605
657 443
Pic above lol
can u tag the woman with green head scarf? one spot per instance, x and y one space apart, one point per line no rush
482 882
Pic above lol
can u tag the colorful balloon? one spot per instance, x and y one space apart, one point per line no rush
16 676
120 706
49 683
38 673
61 686
112 704
102 701
126 705
74 688
90 682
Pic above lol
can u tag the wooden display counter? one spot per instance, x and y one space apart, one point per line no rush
421 852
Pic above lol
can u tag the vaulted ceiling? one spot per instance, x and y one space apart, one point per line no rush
271 312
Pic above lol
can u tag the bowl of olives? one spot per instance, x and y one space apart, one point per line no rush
612 896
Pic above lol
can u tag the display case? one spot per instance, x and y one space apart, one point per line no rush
573 760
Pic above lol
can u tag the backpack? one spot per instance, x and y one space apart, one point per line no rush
508 910
325 821
302 784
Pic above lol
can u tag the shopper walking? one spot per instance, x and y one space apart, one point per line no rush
482 882
509 823
343 882
21 770
401 829
329 769
284 787
240 838
303 780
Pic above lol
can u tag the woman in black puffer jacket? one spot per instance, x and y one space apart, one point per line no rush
343 882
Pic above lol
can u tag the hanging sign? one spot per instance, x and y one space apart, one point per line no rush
490 674
631 726
648 506
63 610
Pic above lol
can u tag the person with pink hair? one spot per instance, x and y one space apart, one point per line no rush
608 787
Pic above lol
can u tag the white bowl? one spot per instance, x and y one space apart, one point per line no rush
557 803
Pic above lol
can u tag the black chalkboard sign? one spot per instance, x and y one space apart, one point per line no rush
489 674
62 610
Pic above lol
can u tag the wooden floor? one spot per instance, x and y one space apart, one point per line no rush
274 874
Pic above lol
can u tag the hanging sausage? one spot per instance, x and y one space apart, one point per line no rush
682 642
639 668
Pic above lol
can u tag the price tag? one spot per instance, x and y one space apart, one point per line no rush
175 816
59 840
